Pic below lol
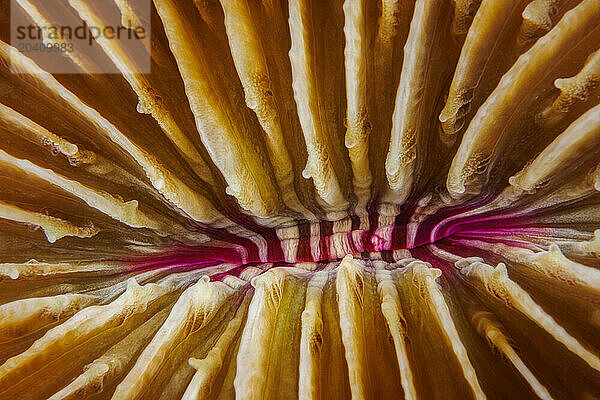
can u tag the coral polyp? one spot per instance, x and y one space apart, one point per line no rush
315 199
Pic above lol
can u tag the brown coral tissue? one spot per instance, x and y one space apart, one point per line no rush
304 199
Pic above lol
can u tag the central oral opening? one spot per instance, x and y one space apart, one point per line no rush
412 233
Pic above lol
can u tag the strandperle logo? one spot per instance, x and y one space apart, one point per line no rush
83 32
63 36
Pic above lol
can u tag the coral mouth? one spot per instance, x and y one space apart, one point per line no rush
417 227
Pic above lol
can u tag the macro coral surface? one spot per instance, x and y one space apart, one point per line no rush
315 199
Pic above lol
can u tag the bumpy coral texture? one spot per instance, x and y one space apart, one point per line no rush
315 199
